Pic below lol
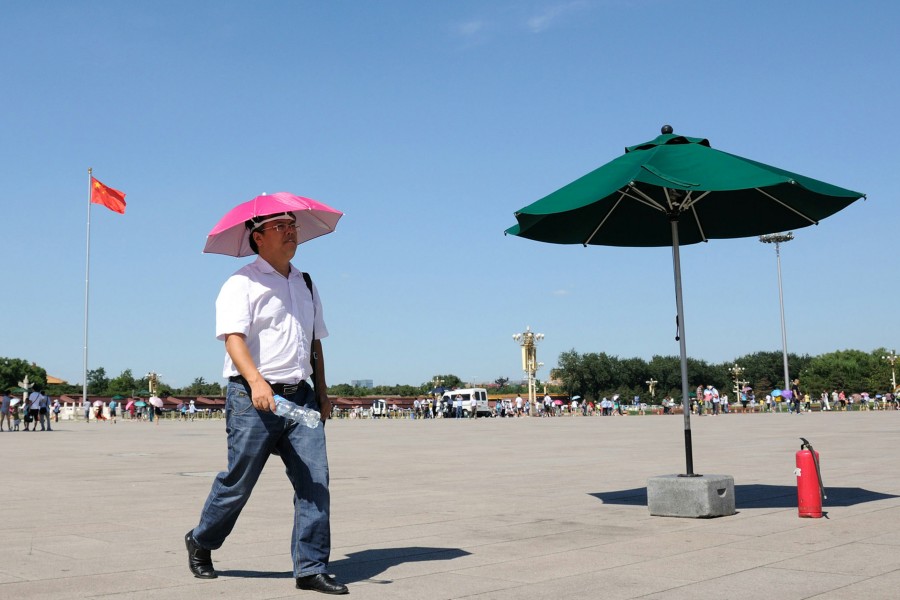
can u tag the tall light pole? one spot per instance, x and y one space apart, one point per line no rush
777 239
528 341
892 358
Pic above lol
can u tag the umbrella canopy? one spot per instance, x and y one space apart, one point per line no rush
140 403
130 404
156 401
98 403
677 190
118 397
711 194
230 236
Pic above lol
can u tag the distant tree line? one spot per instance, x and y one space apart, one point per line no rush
595 375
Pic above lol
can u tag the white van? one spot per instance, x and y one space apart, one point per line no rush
379 409
481 401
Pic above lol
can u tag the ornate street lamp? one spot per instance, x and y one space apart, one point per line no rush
892 358
528 341
736 372
436 384
777 239
651 386
152 382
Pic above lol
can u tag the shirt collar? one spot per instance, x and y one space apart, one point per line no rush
263 266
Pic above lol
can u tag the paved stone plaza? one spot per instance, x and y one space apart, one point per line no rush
500 509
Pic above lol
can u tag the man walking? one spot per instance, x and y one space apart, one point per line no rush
270 318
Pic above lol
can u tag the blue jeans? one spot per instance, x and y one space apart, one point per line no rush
252 436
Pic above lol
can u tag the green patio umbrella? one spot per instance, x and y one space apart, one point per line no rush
676 190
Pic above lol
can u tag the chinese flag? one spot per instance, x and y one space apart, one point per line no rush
112 199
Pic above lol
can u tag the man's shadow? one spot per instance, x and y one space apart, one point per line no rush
365 565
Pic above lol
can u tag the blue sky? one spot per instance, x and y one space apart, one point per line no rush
429 124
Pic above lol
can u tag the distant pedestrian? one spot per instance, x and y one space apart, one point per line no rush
34 410
5 401
56 409
44 412
796 397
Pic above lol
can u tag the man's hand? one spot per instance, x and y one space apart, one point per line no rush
262 396
324 407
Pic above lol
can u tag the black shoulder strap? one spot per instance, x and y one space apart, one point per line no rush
315 359
308 281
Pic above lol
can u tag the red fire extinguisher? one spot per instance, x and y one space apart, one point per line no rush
810 491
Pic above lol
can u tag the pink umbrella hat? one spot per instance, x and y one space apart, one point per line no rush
231 236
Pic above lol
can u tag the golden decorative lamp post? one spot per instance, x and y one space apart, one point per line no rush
528 341
152 382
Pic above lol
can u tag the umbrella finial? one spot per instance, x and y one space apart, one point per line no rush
666 129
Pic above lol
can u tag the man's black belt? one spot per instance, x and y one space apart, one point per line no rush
282 389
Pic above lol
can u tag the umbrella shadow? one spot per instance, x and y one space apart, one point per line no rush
365 565
757 495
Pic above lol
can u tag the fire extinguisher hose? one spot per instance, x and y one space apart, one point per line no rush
807 446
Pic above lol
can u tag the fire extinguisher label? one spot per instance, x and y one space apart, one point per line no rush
797 472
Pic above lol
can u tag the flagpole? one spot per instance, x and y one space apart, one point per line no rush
87 284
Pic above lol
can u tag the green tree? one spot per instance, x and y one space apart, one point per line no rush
446 381
765 370
849 370
125 384
97 381
14 370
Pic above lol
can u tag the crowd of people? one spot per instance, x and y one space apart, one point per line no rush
36 411
705 401
29 412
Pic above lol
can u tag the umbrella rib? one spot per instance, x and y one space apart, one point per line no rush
646 200
692 203
790 208
596 229
699 226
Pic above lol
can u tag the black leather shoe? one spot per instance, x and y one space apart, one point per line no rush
321 582
199 560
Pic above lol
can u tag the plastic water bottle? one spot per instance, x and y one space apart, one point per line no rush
299 414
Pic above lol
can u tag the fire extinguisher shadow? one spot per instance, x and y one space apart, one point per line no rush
758 495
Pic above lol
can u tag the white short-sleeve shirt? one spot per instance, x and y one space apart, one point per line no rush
275 314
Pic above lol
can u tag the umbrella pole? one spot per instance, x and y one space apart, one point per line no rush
685 398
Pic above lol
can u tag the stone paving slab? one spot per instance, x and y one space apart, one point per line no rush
520 509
